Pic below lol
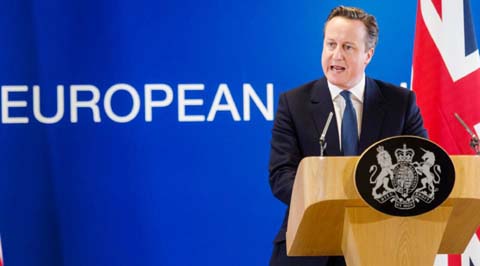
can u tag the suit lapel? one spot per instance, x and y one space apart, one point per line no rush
320 106
373 114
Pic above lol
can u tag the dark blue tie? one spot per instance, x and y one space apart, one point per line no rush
349 127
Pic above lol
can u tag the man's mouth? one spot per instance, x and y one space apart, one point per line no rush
337 68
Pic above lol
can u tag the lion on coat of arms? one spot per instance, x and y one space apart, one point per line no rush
385 161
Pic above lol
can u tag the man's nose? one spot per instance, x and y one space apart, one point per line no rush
337 53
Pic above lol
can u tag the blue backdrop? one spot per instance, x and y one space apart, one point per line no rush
163 192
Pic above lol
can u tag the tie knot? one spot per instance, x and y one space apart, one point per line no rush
345 95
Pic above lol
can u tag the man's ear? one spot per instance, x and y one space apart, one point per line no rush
370 53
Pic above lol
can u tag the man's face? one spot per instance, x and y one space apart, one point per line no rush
344 56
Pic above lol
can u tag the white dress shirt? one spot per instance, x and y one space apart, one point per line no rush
357 93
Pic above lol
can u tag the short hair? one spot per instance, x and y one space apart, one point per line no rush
357 14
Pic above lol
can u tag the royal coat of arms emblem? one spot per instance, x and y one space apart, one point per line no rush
400 182
412 177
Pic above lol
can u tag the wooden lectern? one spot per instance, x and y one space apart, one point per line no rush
328 217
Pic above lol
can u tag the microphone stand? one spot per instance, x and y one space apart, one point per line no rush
474 142
323 143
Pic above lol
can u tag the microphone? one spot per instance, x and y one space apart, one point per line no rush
323 143
474 142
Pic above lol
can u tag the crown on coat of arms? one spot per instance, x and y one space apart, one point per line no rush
404 155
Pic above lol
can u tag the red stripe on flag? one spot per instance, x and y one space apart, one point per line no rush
438 6
454 260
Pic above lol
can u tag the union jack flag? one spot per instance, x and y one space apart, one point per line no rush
446 79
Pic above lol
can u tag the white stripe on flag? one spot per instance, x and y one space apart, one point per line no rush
441 260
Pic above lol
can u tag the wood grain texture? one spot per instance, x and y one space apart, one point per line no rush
373 239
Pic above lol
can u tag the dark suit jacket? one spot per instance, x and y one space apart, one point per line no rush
388 110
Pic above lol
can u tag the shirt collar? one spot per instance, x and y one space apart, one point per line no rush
357 90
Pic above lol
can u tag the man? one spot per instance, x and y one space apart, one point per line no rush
365 111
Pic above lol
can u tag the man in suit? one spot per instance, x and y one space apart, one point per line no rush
365 108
